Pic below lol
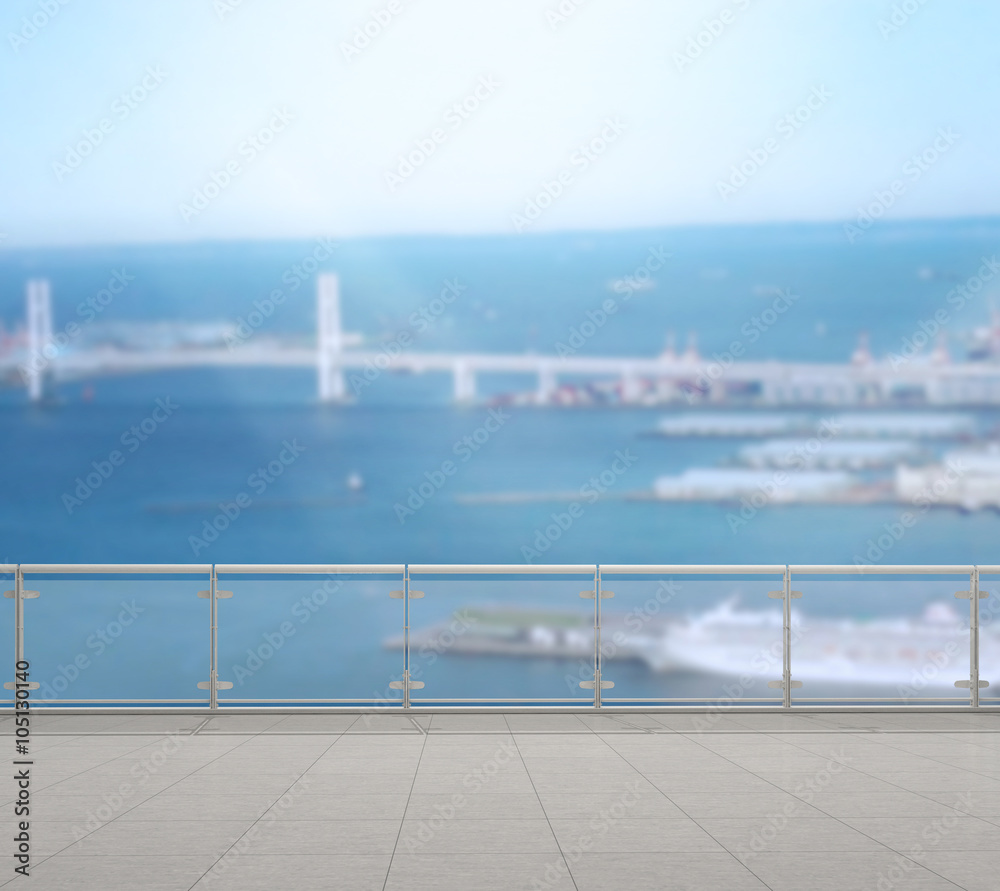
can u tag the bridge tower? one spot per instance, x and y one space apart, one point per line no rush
41 350
465 382
547 383
631 385
330 340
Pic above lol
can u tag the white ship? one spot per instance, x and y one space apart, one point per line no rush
732 424
931 650
726 483
795 454
965 478
916 652
905 425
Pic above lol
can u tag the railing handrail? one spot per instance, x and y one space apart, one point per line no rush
309 568
138 568
500 568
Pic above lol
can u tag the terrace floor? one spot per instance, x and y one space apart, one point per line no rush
790 802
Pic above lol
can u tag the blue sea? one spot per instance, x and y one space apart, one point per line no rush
256 447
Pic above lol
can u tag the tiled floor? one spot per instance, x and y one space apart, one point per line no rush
791 802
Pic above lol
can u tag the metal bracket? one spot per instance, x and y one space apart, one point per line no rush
589 685
20 685
219 685
406 685
967 595
25 595
589 595
779 595
967 685
219 595
780 685
398 595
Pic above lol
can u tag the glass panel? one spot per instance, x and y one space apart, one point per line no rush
889 637
507 637
989 639
710 638
99 637
323 637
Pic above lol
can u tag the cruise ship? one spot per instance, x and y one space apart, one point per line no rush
729 641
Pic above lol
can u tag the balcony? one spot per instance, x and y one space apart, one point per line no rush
503 801
504 727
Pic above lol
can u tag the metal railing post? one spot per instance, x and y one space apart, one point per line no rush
19 595
213 673
406 635
597 636
786 648
18 615
974 638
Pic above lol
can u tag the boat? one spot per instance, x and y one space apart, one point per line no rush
832 454
725 484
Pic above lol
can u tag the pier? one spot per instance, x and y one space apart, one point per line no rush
669 378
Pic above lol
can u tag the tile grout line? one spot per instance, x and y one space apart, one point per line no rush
109 822
255 822
855 829
687 815
555 838
406 807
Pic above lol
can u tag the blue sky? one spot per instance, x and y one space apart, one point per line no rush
551 76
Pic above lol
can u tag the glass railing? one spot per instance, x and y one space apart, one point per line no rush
419 635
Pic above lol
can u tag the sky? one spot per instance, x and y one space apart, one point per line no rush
181 120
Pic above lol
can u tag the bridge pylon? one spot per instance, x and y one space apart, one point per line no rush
41 349
330 340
